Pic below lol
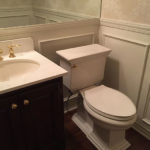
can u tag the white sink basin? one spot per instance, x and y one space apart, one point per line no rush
14 69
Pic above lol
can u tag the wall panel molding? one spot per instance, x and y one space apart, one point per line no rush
49 47
89 25
126 39
130 42
15 16
58 16
129 26
15 11
143 50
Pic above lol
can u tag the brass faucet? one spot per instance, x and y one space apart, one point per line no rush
11 50
1 58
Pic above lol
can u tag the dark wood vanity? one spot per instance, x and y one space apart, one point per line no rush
32 118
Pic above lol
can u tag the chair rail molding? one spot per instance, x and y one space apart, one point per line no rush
15 11
58 15
124 25
126 39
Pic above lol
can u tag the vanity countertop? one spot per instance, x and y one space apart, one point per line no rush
47 70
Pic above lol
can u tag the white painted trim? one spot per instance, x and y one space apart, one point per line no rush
67 37
62 13
15 15
126 40
144 70
142 130
124 25
146 121
142 125
146 45
12 9
92 34
50 27
15 11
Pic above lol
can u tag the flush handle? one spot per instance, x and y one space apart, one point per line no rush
74 66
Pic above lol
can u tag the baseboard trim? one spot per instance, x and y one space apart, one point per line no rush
141 130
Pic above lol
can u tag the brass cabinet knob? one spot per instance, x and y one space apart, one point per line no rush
26 102
14 106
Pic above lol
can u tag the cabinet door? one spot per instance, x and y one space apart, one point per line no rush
58 113
6 135
11 137
38 117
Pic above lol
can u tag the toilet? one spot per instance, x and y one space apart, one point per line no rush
103 113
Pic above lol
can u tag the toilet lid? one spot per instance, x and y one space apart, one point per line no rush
109 103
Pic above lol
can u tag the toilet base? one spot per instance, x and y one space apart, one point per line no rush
102 139
100 144
82 124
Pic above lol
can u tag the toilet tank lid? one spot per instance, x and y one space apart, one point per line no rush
82 52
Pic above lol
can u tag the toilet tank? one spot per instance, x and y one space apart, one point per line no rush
85 65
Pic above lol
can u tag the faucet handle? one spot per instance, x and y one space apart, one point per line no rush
11 50
1 51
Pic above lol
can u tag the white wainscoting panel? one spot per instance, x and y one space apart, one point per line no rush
128 66
144 102
124 70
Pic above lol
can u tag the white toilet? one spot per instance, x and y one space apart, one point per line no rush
103 113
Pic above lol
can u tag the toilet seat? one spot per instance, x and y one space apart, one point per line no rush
109 103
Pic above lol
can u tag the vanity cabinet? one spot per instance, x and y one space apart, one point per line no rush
32 118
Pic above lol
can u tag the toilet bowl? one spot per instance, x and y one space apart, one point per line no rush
110 112
109 106
103 113
109 123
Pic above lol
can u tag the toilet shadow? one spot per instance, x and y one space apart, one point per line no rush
111 75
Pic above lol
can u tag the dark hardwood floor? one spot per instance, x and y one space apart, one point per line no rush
76 140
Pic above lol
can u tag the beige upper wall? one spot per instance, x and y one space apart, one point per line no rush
129 10
85 7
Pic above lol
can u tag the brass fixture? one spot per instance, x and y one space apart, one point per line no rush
1 58
74 66
11 50
26 102
14 106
